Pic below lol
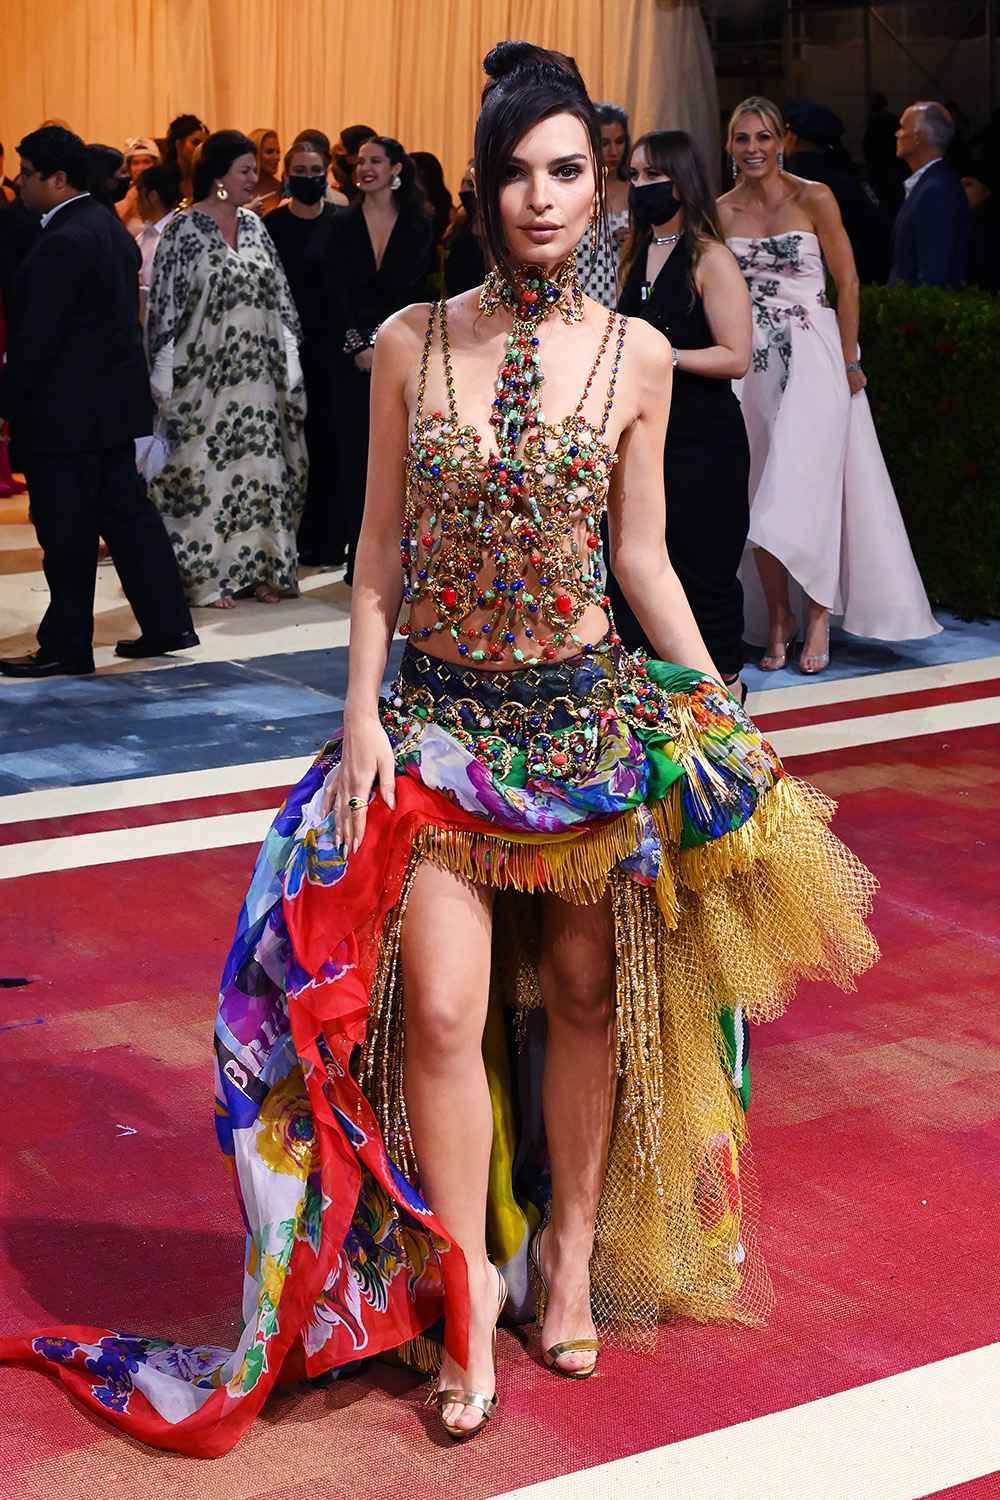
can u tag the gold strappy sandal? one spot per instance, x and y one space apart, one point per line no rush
552 1355
486 1404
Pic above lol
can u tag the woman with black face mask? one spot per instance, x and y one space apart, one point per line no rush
681 278
300 230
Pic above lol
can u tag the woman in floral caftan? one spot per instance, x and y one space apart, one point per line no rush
222 334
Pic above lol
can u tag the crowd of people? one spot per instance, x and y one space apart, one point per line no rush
263 277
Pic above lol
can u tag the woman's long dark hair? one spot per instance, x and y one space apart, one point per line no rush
215 157
675 154
526 84
179 130
408 198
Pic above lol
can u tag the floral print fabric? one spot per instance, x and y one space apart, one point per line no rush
234 486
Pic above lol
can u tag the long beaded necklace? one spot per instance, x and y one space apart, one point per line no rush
527 499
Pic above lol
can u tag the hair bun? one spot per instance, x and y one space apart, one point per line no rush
511 57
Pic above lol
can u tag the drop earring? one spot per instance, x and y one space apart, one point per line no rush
395 183
220 192
592 259
736 170
781 161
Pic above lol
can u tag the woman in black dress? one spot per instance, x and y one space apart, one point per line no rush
301 231
680 277
380 254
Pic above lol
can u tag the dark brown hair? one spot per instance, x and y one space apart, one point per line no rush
526 84
675 154
215 157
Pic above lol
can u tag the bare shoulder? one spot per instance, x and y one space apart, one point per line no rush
647 353
404 328
814 197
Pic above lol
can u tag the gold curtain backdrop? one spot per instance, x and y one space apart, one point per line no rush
409 68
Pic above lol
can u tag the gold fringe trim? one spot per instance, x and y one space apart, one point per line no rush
380 1072
421 1354
705 864
574 865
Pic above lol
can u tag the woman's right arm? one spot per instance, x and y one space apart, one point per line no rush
727 310
378 581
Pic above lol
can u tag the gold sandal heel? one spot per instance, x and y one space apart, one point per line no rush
552 1355
486 1404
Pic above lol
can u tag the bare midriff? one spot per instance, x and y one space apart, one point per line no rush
501 554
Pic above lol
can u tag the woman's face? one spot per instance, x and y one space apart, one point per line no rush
188 145
139 163
241 179
306 164
270 155
374 170
755 147
612 145
641 170
547 192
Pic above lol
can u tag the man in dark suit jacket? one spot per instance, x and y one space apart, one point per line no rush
930 238
75 391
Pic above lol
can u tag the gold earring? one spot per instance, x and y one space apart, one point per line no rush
220 192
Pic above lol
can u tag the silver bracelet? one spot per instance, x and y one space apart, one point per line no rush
673 355
852 368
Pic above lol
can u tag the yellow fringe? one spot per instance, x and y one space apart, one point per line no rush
705 864
574 865
421 1354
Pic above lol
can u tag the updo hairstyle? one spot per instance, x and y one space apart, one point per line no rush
215 157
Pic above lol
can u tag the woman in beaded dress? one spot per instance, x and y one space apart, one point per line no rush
532 821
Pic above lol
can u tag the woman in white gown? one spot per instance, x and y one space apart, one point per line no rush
823 513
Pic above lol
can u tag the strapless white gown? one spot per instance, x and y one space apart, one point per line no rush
820 495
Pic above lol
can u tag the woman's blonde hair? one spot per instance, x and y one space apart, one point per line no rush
258 137
755 105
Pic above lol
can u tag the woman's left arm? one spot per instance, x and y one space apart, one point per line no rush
822 205
637 514
726 300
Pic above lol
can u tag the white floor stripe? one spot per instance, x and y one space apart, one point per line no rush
815 694
902 1438
842 734
81 850
141 791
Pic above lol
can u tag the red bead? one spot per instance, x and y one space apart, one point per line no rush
550 653
593 541
564 604
449 597
404 629
427 539
558 759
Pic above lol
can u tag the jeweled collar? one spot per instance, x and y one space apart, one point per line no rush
532 293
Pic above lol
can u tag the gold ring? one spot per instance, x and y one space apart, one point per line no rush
357 803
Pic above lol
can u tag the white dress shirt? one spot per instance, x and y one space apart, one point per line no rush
915 177
147 239
53 211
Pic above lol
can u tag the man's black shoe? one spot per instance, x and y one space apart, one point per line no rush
145 646
37 665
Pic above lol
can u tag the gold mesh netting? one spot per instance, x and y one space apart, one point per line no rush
733 924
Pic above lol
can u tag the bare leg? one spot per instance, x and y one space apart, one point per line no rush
445 953
816 646
576 977
780 620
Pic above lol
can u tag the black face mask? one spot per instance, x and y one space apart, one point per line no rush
655 203
468 201
307 190
118 187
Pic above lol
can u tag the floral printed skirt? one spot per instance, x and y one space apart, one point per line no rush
603 777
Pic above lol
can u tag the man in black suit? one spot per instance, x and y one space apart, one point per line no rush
75 391
930 238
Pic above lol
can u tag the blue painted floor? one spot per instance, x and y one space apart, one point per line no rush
76 730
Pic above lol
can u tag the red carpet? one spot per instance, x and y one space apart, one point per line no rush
876 1122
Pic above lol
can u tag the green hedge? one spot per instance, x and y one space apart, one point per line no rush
932 359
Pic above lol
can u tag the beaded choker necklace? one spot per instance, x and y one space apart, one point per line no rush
529 298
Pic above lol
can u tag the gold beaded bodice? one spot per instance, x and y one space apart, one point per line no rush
505 545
